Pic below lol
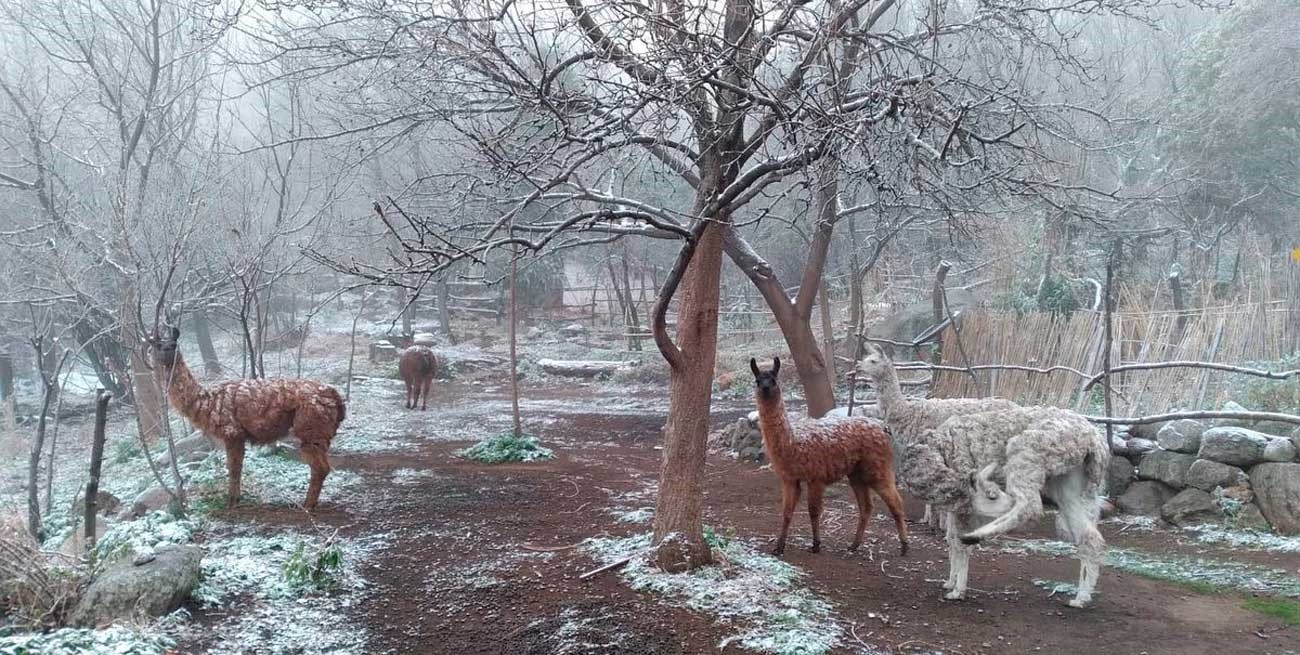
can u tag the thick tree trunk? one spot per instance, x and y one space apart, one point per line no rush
678 526
148 399
203 334
96 461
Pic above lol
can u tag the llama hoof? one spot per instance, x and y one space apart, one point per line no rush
815 548
955 595
853 548
970 541
1080 602
779 550
948 584
902 549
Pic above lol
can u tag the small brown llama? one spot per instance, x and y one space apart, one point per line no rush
822 451
417 368
257 411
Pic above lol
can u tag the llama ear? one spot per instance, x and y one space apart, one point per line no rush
776 365
753 366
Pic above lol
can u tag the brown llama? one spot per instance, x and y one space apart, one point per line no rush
257 411
417 367
822 451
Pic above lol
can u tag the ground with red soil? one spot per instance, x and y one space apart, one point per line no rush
479 559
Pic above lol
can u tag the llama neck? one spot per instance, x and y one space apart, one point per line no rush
774 423
186 394
890 392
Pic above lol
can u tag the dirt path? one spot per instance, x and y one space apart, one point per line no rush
464 570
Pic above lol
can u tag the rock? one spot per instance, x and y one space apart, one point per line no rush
573 330
74 545
1274 428
1233 445
1139 446
1189 507
1167 467
126 591
1144 497
1279 450
1231 406
1277 492
1107 508
535 332
424 339
1248 518
1181 436
105 504
1118 445
752 417
149 500
1206 475
382 351
1119 475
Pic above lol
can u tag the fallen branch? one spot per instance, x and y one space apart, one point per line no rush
1174 416
613 565
1272 375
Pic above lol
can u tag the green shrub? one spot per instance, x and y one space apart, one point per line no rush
506 447
315 569
125 451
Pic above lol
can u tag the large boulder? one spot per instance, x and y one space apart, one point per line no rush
1279 450
1167 467
1144 497
149 500
1119 475
1189 507
105 503
1233 445
151 586
1277 492
1206 475
74 545
1181 436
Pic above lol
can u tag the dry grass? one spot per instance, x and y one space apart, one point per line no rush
36 591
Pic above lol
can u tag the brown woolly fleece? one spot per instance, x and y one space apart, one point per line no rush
818 452
417 368
257 411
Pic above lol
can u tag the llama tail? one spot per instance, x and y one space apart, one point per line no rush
339 404
428 365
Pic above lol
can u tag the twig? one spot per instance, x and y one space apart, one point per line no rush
1173 416
1272 375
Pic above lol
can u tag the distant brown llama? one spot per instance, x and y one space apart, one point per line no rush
417 368
257 411
822 451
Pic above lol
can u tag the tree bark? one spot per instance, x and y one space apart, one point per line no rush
96 462
148 399
444 312
938 303
678 522
514 338
203 333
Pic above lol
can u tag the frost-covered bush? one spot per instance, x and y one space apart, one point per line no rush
314 568
506 447
115 639
144 535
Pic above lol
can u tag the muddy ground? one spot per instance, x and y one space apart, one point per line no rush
474 557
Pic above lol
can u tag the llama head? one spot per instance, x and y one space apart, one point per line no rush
987 496
875 364
766 381
164 347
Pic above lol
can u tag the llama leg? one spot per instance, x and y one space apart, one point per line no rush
318 459
428 384
234 469
888 492
815 491
958 557
862 491
789 498
1076 520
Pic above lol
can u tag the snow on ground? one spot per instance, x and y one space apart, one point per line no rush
1249 539
760 597
1217 574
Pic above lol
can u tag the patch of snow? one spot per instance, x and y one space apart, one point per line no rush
408 476
638 515
760 597
113 640
1213 534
